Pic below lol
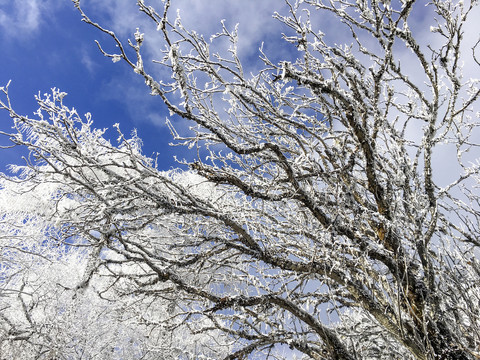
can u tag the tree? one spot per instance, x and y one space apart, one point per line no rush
314 220
58 302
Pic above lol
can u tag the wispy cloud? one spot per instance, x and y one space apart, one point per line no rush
255 20
19 18
87 60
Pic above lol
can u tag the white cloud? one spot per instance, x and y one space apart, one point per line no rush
23 17
87 61
256 25
122 16
254 18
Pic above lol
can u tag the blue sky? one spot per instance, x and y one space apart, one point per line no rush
57 50
45 45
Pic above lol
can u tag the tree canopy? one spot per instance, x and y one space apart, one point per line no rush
315 221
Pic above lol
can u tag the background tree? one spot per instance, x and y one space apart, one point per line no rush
59 301
315 217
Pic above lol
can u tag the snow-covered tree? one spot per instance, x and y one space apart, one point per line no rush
318 219
58 297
